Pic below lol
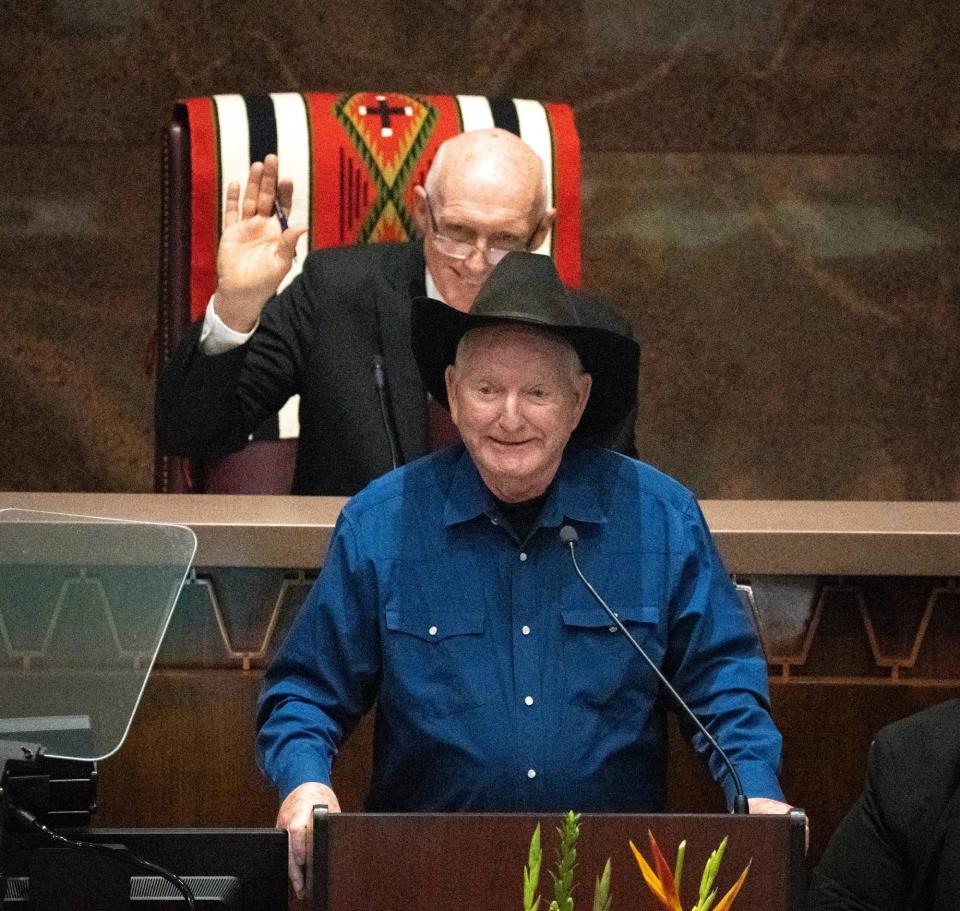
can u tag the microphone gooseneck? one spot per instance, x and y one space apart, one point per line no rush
570 538
386 415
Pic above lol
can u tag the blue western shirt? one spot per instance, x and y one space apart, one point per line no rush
499 682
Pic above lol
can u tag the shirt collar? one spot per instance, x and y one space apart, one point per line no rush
432 289
574 493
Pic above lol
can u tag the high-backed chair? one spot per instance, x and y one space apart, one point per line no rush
354 159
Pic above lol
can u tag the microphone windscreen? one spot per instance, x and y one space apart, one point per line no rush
568 535
379 377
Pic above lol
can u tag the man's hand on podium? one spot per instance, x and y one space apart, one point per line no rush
761 805
296 816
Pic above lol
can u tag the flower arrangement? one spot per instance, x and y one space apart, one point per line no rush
665 884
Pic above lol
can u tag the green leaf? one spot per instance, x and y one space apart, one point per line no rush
601 890
708 901
531 873
710 873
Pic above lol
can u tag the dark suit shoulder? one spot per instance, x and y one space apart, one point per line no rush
398 263
935 722
922 747
891 844
928 740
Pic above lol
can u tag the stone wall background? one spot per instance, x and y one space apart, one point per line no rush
771 195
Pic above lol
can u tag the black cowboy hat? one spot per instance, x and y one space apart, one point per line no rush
525 288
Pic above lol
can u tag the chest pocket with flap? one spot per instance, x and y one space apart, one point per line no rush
435 659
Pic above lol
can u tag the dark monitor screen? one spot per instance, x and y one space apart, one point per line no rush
235 869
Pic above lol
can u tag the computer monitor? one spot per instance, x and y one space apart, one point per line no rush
230 869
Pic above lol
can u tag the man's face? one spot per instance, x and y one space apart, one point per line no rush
478 213
516 396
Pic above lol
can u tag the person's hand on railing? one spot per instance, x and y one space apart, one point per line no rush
762 805
296 816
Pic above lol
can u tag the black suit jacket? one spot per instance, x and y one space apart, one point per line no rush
318 338
898 849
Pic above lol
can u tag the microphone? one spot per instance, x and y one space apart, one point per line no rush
386 414
569 537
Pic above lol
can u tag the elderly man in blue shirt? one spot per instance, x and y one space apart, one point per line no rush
448 598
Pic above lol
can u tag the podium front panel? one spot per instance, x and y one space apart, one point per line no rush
447 862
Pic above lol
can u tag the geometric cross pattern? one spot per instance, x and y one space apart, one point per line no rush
388 132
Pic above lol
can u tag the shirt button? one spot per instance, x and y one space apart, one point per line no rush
523 558
531 773
432 631
525 630
528 700
494 520
612 629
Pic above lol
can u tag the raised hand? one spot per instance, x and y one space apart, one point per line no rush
255 253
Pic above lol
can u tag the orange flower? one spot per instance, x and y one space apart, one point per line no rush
665 885
725 903
661 883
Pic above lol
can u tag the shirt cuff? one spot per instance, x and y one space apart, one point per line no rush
217 337
300 769
758 780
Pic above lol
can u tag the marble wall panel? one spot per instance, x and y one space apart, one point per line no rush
798 316
79 243
774 75
800 75
841 395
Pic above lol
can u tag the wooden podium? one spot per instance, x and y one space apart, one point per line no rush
449 862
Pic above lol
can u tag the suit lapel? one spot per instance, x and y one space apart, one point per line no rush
406 393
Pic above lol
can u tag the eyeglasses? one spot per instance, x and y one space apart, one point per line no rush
460 249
